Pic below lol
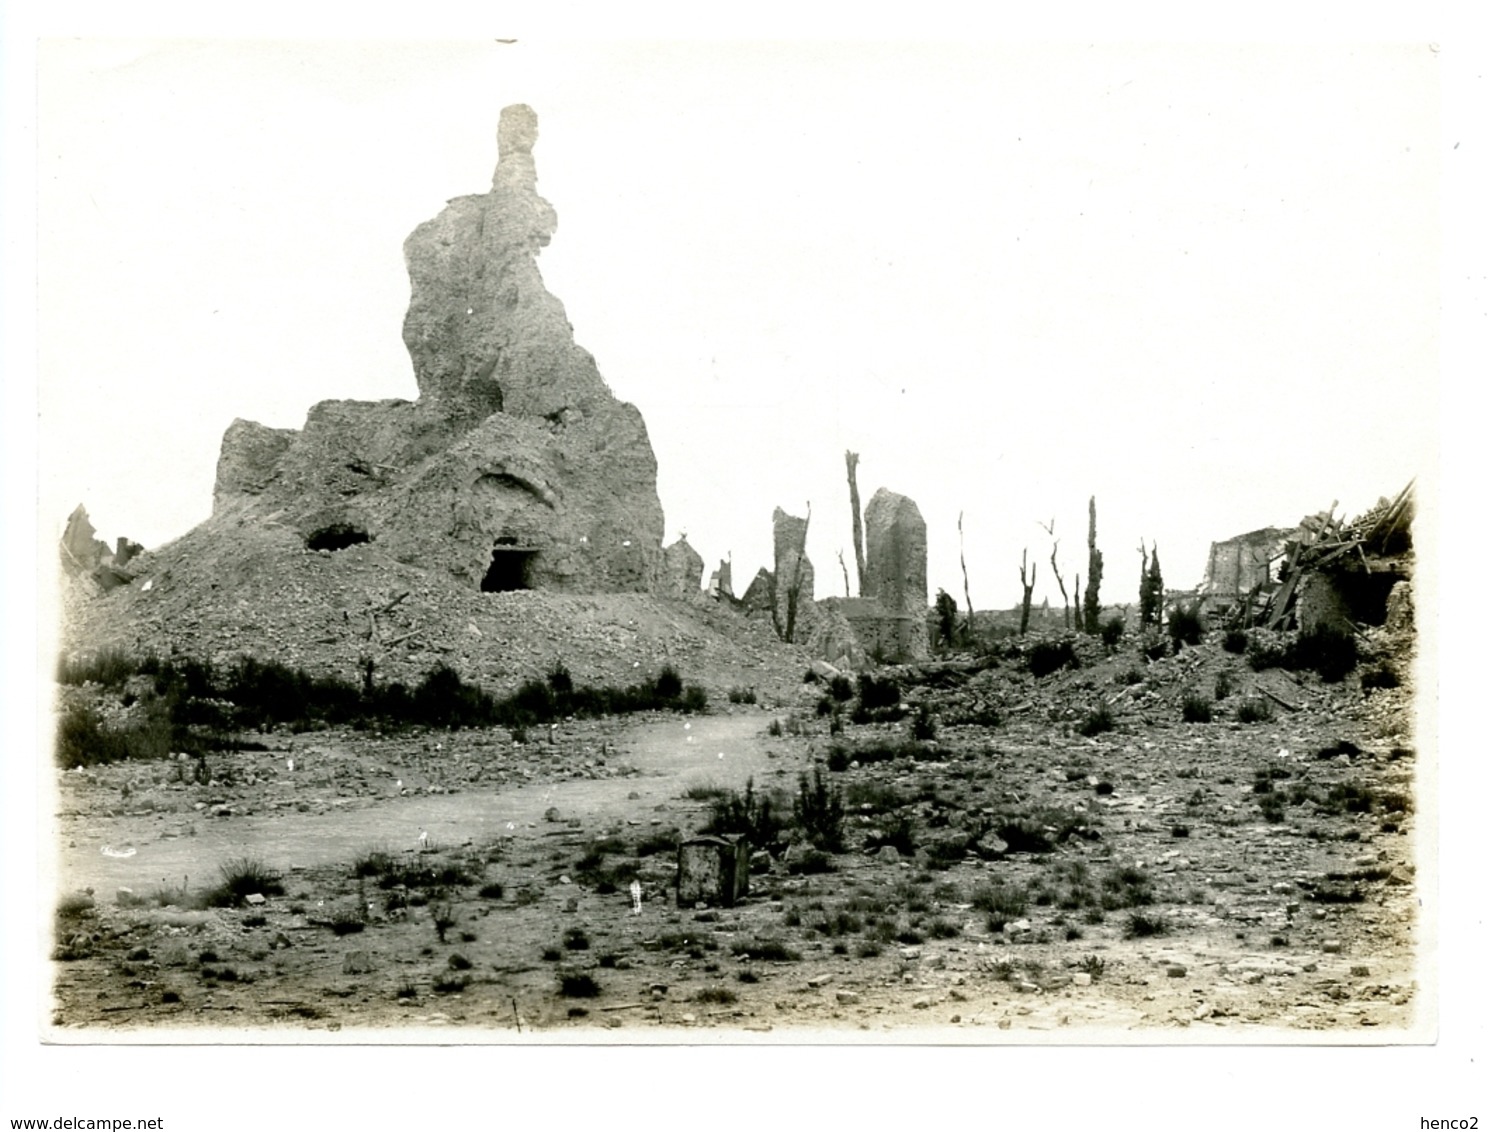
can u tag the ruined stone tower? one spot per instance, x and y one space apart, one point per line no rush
516 468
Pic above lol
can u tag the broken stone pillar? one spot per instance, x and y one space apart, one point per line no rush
759 597
792 571
80 550
124 550
712 870
721 582
896 574
682 570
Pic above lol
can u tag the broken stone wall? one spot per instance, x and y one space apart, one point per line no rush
1238 565
879 635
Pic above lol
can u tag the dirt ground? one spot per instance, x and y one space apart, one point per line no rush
1008 879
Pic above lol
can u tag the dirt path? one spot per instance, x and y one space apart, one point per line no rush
667 756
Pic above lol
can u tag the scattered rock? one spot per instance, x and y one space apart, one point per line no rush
825 671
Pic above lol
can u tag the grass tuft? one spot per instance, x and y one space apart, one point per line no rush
1196 709
578 985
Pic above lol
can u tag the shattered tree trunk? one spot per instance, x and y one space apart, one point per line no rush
1028 584
965 582
857 516
1079 615
1142 585
1054 563
1093 581
1150 594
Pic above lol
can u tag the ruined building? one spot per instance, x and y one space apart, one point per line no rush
1241 566
516 468
1326 571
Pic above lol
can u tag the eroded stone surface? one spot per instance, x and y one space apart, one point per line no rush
515 447
896 569
793 575
896 553
682 570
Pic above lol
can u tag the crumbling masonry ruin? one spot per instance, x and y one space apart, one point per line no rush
516 468
888 622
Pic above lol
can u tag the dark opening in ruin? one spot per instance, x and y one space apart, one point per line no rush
336 536
1364 594
508 569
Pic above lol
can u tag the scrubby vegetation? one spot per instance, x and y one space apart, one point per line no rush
1097 721
193 706
1047 657
819 812
243 877
1254 710
877 692
1185 626
1331 653
752 815
1196 709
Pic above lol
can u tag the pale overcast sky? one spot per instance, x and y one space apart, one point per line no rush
1201 283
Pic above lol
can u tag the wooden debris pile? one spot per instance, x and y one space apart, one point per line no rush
1325 544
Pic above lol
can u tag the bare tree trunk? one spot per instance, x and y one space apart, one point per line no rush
846 587
1054 562
1079 616
965 583
857 517
1092 583
1028 584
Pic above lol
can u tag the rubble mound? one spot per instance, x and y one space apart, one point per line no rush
258 592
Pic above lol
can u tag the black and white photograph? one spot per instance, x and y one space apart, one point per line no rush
684 543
